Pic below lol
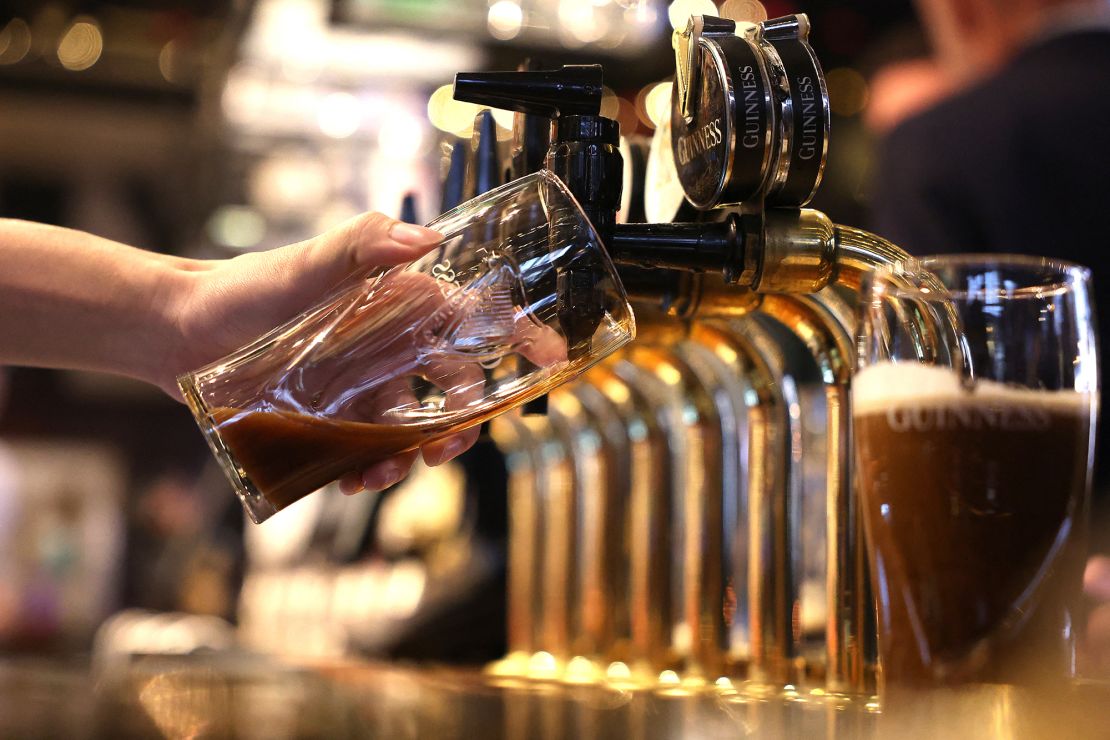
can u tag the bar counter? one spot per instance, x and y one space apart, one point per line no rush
220 696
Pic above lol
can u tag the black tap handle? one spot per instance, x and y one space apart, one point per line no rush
695 247
453 184
583 152
408 209
483 172
531 134
576 89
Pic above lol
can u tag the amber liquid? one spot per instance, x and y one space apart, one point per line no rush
287 455
973 507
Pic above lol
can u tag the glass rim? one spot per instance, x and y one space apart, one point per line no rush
1067 274
600 247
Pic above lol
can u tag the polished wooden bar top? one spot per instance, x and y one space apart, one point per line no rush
252 697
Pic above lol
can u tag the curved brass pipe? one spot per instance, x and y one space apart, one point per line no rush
693 416
558 580
648 483
601 495
764 587
819 321
858 252
520 442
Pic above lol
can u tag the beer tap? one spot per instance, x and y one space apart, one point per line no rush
483 166
749 133
583 152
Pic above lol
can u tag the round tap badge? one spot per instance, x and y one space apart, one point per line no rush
723 149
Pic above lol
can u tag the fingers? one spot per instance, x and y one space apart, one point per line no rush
377 239
463 383
350 483
1097 638
539 343
388 472
378 406
379 476
368 240
448 448
1096 579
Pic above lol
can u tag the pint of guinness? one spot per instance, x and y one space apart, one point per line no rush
973 421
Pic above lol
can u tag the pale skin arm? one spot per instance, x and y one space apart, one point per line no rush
73 300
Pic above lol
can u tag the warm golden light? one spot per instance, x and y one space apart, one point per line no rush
450 115
582 21
610 103
169 61
657 103
680 11
543 665
15 41
748 11
401 137
340 115
580 670
669 678
505 19
618 671
502 117
405 588
848 91
236 227
81 45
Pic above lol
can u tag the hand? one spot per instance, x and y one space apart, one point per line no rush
1096 586
227 303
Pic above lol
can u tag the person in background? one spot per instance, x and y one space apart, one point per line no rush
1009 153
999 144
73 300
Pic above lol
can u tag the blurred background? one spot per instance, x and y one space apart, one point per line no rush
211 128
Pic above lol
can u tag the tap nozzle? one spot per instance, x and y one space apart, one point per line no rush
576 89
583 153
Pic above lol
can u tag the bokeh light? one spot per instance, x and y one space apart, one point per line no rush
169 62
581 22
401 137
749 11
503 118
505 19
339 115
657 103
450 115
626 116
848 91
679 11
610 103
641 13
236 227
15 41
81 45
290 181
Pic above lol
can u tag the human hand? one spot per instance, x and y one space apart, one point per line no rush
226 303
1096 643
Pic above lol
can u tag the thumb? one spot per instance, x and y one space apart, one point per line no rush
374 239
368 240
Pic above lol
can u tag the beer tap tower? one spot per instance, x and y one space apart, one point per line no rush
750 128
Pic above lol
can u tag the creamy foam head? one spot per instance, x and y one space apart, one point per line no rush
878 387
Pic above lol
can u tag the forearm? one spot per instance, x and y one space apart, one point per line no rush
73 300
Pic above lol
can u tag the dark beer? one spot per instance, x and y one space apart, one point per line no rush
288 455
974 505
